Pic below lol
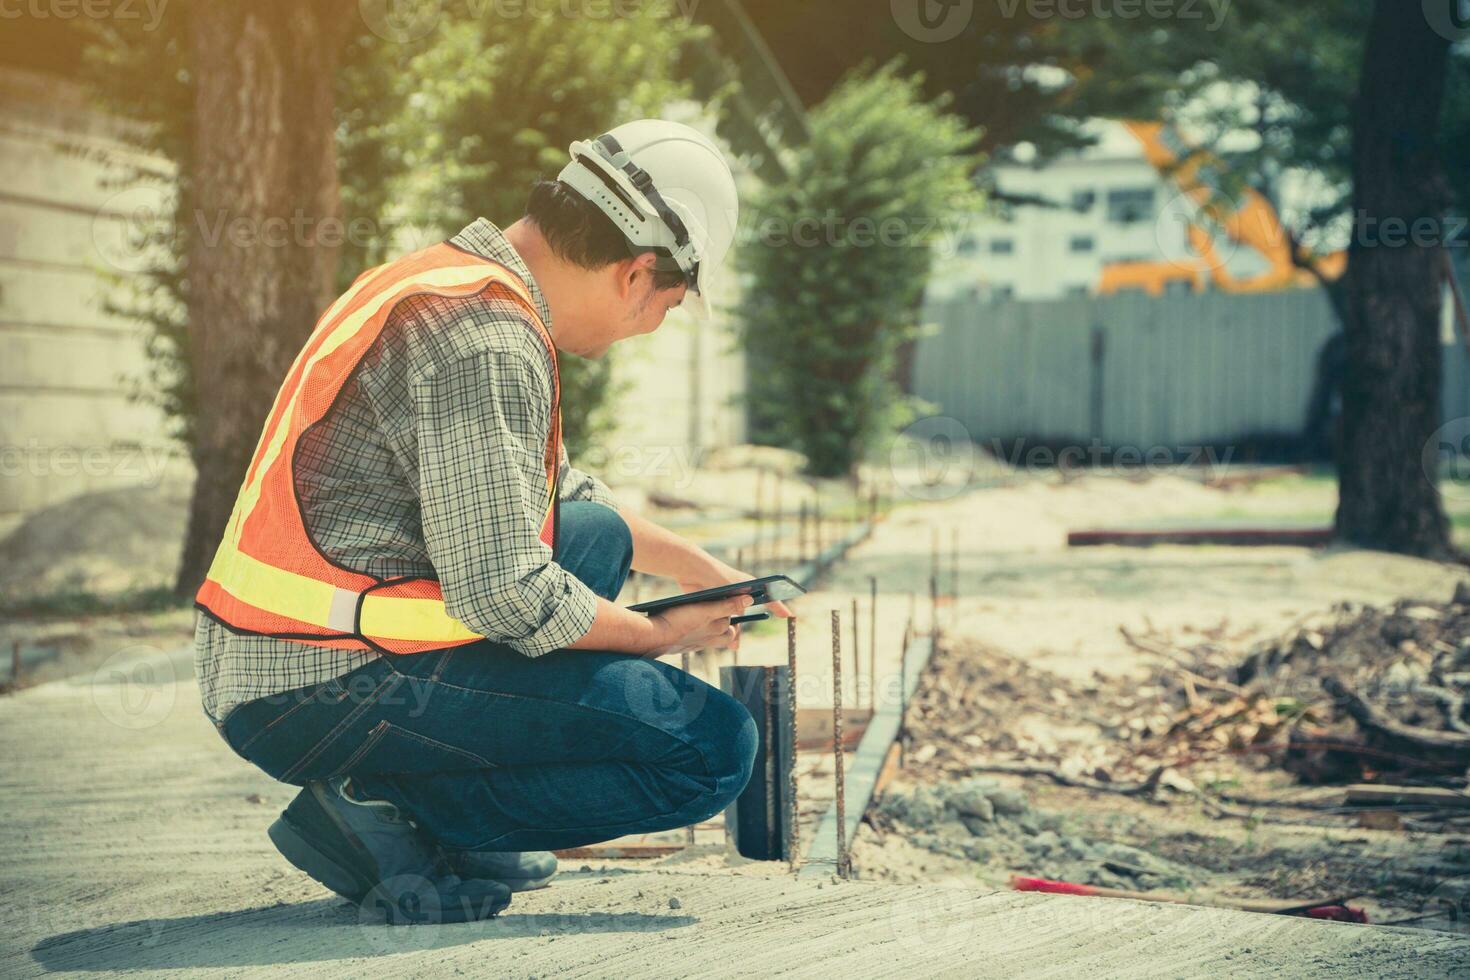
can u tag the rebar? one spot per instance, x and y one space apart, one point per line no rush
817 520
768 692
872 643
801 551
903 691
857 669
793 832
755 547
837 743
684 665
777 522
933 605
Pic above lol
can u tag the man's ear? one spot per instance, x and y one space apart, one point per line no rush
629 269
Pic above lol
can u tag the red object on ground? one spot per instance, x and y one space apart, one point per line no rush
1334 911
1054 887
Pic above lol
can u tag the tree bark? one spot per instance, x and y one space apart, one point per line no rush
1393 286
261 253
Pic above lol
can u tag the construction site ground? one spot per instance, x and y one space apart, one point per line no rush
137 838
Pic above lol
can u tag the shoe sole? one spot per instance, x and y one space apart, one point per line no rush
525 884
313 862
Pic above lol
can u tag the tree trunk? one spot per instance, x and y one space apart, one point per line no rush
1393 287
265 229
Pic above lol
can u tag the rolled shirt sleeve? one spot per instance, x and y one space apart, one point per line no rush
481 426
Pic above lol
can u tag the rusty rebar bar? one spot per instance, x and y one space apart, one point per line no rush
872 643
817 519
793 830
760 517
857 668
903 691
769 768
777 522
837 743
684 665
801 551
934 605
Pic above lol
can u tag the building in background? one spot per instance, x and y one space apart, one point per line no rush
1137 210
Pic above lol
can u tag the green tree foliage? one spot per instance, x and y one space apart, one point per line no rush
431 134
841 253
490 104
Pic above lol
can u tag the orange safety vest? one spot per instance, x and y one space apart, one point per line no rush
268 578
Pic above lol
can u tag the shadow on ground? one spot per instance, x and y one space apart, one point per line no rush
309 932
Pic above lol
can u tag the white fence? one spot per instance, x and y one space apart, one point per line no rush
1136 371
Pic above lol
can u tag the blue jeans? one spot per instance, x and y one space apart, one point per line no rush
491 750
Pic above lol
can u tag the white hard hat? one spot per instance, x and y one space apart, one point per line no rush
669 190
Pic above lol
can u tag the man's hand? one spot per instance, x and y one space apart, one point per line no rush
715 573
699 626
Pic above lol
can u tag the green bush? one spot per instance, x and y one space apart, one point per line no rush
835 276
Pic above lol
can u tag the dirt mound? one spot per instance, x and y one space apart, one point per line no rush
980 820
103 544
1367 692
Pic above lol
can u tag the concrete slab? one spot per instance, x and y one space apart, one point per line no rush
135 843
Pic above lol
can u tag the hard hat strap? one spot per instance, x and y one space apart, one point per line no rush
619 158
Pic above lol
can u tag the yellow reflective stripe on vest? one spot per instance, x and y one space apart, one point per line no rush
270 588
308 600
448 277
402 618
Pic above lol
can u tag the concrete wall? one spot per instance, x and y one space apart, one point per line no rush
1138 372
67 422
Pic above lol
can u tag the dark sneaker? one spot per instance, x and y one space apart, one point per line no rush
520 871
370 852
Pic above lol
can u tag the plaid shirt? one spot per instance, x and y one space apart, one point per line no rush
431 464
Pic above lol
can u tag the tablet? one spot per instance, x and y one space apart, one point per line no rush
772 588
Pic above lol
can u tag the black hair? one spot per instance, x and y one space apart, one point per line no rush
581 234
